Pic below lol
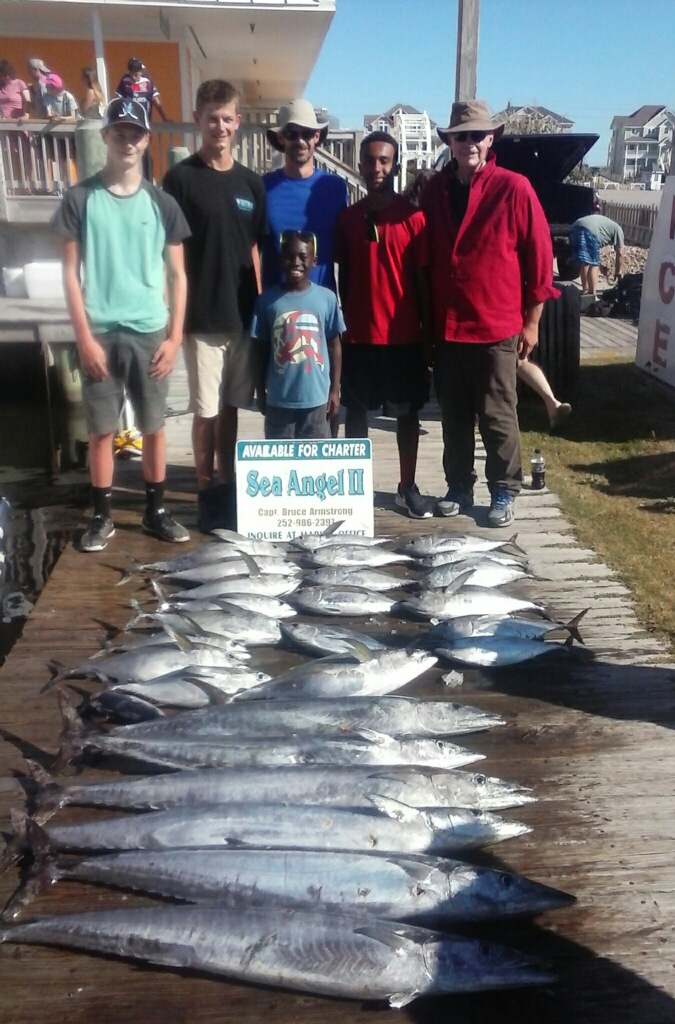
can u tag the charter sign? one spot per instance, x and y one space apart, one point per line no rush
287 488
656 337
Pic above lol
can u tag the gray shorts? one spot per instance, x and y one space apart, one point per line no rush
128 356
290 423
220 371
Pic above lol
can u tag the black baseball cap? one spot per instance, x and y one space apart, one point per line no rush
134 64
125 111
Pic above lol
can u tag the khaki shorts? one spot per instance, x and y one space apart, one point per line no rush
220 371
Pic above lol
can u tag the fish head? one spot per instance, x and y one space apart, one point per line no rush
502 894
456 964
494 793
481 826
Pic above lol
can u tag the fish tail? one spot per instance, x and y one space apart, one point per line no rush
58 672
136 568
572 627
513 547
73 734
16 844
49 796
42 872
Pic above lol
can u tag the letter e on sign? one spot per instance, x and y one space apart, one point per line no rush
661 334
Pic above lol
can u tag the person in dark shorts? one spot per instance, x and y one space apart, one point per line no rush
381 253
124 231
297 326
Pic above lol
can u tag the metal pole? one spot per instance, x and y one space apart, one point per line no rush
101 70
467 49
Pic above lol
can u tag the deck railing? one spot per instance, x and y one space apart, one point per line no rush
38 159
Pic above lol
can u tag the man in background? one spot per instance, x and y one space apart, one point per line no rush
136 85
587 237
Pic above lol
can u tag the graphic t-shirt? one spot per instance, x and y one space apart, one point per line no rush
303 204
142 90
226 214
122 240
297 326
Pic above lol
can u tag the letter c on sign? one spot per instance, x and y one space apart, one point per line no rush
666 294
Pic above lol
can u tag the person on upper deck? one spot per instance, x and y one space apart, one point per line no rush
491 269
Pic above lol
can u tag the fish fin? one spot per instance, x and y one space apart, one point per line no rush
16 844
512 547
458 582
159 591
194 626
378 739
251 564
397 1000
180 639
358 650
332 528
393 808
394 936
215 695
231 608
231 536
58 672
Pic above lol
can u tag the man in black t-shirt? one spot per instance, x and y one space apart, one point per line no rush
224 204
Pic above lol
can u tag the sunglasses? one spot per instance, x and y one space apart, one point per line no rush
372 234
293 134
306 237
474 136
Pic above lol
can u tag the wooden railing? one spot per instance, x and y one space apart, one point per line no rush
38 160
637 221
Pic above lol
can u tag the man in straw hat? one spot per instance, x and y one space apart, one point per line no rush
491 269
300 197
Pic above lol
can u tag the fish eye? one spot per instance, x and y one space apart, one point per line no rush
480 780
476 812
506 881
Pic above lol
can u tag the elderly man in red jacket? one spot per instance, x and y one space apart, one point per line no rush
491 269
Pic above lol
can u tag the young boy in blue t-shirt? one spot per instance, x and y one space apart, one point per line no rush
298 325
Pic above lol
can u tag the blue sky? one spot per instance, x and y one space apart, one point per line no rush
586 59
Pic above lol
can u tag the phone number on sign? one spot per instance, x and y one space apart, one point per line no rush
320 523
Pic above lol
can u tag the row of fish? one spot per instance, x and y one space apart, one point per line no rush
305 819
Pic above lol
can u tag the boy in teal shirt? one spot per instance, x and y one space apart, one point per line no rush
120 229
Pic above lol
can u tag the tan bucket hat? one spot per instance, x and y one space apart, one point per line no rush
301 114
470 116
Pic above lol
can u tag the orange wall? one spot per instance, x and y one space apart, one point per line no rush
67 57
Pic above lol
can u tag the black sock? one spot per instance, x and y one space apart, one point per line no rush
102 498
154 498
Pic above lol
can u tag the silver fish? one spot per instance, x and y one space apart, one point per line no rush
249 546
148 663
443 634
437 604
462 555
234 567
357 556
391 828
318 785
395 716
186 690
160 639
369 579
244 626
211 551
386 671
420 890
313 542
326 638
435 543
332 955
479 575
270 586
342 601
495 651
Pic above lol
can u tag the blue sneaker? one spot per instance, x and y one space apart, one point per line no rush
501 509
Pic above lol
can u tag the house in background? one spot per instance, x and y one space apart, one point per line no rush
532 120
640 143
416 136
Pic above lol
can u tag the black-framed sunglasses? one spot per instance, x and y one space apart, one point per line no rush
306 237
372 234
474 136
293 134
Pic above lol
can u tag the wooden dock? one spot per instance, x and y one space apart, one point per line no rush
590 730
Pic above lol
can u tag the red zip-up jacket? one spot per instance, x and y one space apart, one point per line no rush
487 270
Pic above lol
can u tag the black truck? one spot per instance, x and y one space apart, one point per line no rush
546 160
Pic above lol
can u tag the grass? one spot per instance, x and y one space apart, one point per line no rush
613 467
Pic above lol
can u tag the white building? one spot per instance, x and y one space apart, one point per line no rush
639 146
533 120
